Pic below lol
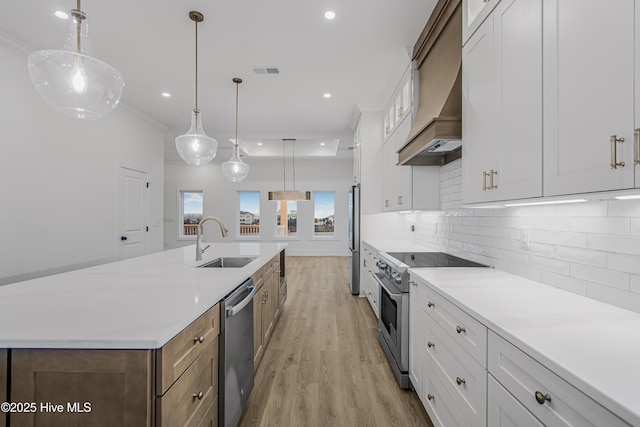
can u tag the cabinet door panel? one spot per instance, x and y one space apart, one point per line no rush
479 117
518 56
588 94
505 411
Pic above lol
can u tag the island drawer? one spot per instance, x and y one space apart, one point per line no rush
464 329
189 400
549 398
179 353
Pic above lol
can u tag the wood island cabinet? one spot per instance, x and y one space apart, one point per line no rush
3 383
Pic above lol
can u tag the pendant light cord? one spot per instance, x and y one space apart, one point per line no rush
293 154
284 165
237 86
196 65
79 18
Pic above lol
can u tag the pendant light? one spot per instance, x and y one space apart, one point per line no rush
196 147
71 80
291 195
234 169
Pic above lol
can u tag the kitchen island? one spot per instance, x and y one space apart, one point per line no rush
121 343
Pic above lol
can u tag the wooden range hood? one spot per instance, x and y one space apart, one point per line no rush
436 135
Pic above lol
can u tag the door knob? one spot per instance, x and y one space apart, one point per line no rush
123 238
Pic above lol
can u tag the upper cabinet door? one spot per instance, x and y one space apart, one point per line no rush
588 95
474 12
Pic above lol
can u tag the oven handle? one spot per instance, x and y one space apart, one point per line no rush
395 297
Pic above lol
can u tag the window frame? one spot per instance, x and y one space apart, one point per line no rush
334 235
180 225
276 236
240 236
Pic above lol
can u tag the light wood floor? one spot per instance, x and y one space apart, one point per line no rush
324 365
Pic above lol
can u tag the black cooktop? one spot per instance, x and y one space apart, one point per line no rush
432 259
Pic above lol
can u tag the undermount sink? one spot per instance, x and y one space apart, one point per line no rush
228 262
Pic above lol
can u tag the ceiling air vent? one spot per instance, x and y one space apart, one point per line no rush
266 70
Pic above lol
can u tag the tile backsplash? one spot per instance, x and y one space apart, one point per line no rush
591 248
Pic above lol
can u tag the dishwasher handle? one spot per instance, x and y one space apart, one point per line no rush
235 309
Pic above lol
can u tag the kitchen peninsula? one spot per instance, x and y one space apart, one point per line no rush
127 338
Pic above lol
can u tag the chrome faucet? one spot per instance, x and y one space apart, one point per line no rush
223 230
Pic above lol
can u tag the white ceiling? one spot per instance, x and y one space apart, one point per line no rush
356 57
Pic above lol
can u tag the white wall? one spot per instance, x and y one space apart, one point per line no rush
58 178
220 199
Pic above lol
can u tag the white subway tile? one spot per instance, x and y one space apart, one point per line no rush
519 269
624 208
549 223
615 244
582 256
549 264
562 281
628 300
623 262
634 285
531 211
600 225
635 226
564 238
589 209
602 276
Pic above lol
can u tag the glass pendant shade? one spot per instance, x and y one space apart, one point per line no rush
234 169
71 80
196 147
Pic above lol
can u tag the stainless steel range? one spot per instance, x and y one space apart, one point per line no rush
393 280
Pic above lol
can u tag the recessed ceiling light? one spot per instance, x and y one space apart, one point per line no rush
330 14
327 95
166 94
259 143
322 143
62 15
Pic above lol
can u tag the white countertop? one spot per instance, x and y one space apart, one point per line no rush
139 303
592 345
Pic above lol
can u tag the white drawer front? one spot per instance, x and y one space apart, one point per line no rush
464 329
524 377
505 411
461 375
436 400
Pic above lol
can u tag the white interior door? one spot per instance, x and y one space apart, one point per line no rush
132 213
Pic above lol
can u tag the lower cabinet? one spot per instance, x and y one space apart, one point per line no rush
82 387
4 377
271 293
504 410
368 285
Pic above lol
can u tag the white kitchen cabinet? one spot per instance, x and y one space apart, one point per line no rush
417 335
397 179
370 152
504 410
502 105
547 396
589 75
368 285
356 156
474 12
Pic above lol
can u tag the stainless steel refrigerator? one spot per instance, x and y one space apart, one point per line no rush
354 239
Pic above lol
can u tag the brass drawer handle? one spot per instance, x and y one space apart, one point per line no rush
198 395
484 181
430 304
460 381
491 173
541 398
614 152
430 344
199 339
460 329
412 283
430 397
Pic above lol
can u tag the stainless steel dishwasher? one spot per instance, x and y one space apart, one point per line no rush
235 371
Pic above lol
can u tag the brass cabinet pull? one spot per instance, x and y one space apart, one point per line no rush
430 304
460 329
430 397
460 381
541 398
386 203
491 173
400 202
484 181
199 339
412 283
430 344
614 152
637 135
198 395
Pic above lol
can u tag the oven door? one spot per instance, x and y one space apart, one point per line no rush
394 321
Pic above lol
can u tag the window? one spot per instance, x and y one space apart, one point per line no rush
324 213
249 214
286 218
190 205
